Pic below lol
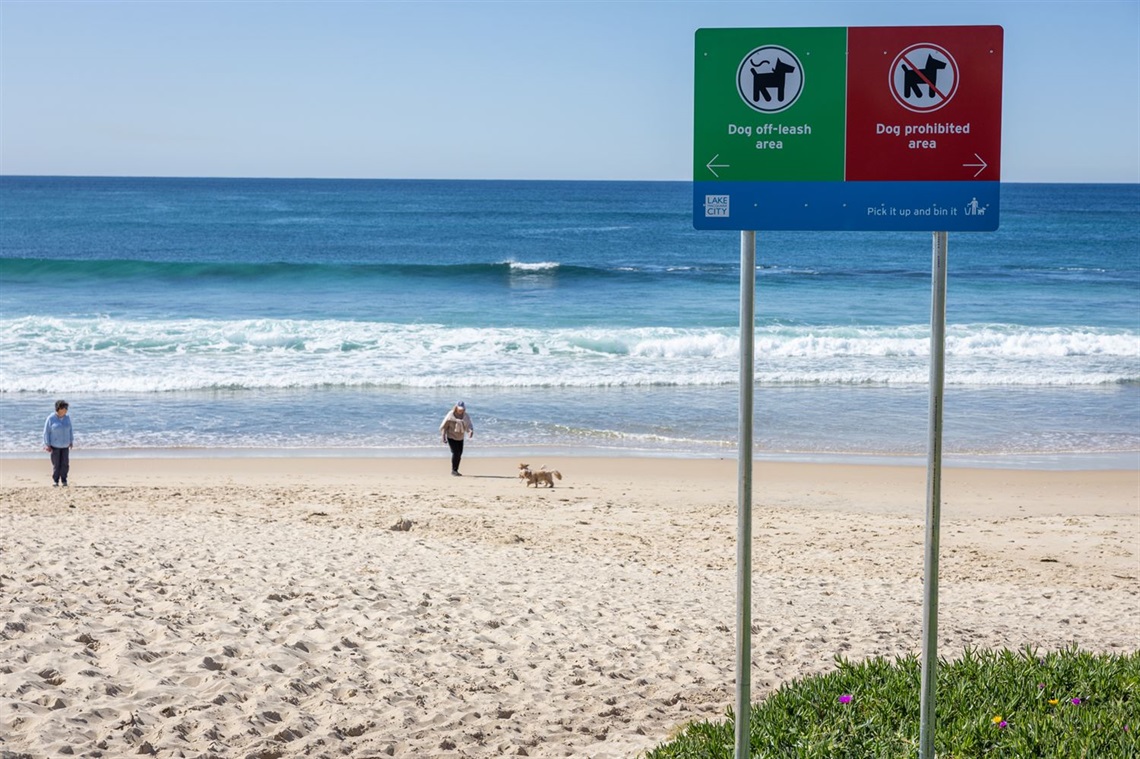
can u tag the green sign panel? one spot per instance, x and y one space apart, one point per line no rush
779 124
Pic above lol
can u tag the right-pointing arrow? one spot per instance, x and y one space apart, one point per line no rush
981 166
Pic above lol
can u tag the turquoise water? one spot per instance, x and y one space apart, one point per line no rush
346 316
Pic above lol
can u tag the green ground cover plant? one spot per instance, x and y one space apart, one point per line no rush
1068 704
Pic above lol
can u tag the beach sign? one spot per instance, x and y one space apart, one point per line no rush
862 128
848 128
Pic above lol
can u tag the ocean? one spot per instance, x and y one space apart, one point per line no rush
344 317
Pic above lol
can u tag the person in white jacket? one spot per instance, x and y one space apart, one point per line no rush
455 426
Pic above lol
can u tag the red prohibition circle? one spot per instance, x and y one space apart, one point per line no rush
920 73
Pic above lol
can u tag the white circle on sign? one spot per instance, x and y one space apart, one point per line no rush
770 79
924 78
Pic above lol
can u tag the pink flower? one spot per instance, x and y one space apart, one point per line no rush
1075 701
845 698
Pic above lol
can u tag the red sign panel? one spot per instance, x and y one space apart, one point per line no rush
924 103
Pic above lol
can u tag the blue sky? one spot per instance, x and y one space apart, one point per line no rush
497 90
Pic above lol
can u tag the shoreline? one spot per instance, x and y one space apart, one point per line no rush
1127 460
874 485
361 607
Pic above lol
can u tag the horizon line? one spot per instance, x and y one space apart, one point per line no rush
4 175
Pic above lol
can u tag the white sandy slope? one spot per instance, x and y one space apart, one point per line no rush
267 607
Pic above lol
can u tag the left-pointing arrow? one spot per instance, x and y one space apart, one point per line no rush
712 166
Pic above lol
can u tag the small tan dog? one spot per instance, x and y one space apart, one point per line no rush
542 476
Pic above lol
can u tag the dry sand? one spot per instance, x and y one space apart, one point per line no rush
287 607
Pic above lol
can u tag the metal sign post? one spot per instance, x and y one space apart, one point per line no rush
933 497
744 499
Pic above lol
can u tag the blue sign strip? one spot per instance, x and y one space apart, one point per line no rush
852 206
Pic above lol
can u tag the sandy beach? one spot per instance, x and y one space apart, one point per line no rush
339 607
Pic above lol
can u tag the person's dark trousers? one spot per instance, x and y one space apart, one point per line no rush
60 463
456 453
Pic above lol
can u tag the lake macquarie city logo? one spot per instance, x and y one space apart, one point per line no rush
716 206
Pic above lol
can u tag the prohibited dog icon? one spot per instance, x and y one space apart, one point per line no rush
924 78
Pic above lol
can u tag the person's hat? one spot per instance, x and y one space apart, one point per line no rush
460 405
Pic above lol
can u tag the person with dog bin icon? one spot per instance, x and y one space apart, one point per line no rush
453 428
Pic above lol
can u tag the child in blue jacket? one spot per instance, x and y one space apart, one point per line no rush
58 439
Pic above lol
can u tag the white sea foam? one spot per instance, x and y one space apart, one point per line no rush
107 354
523 266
